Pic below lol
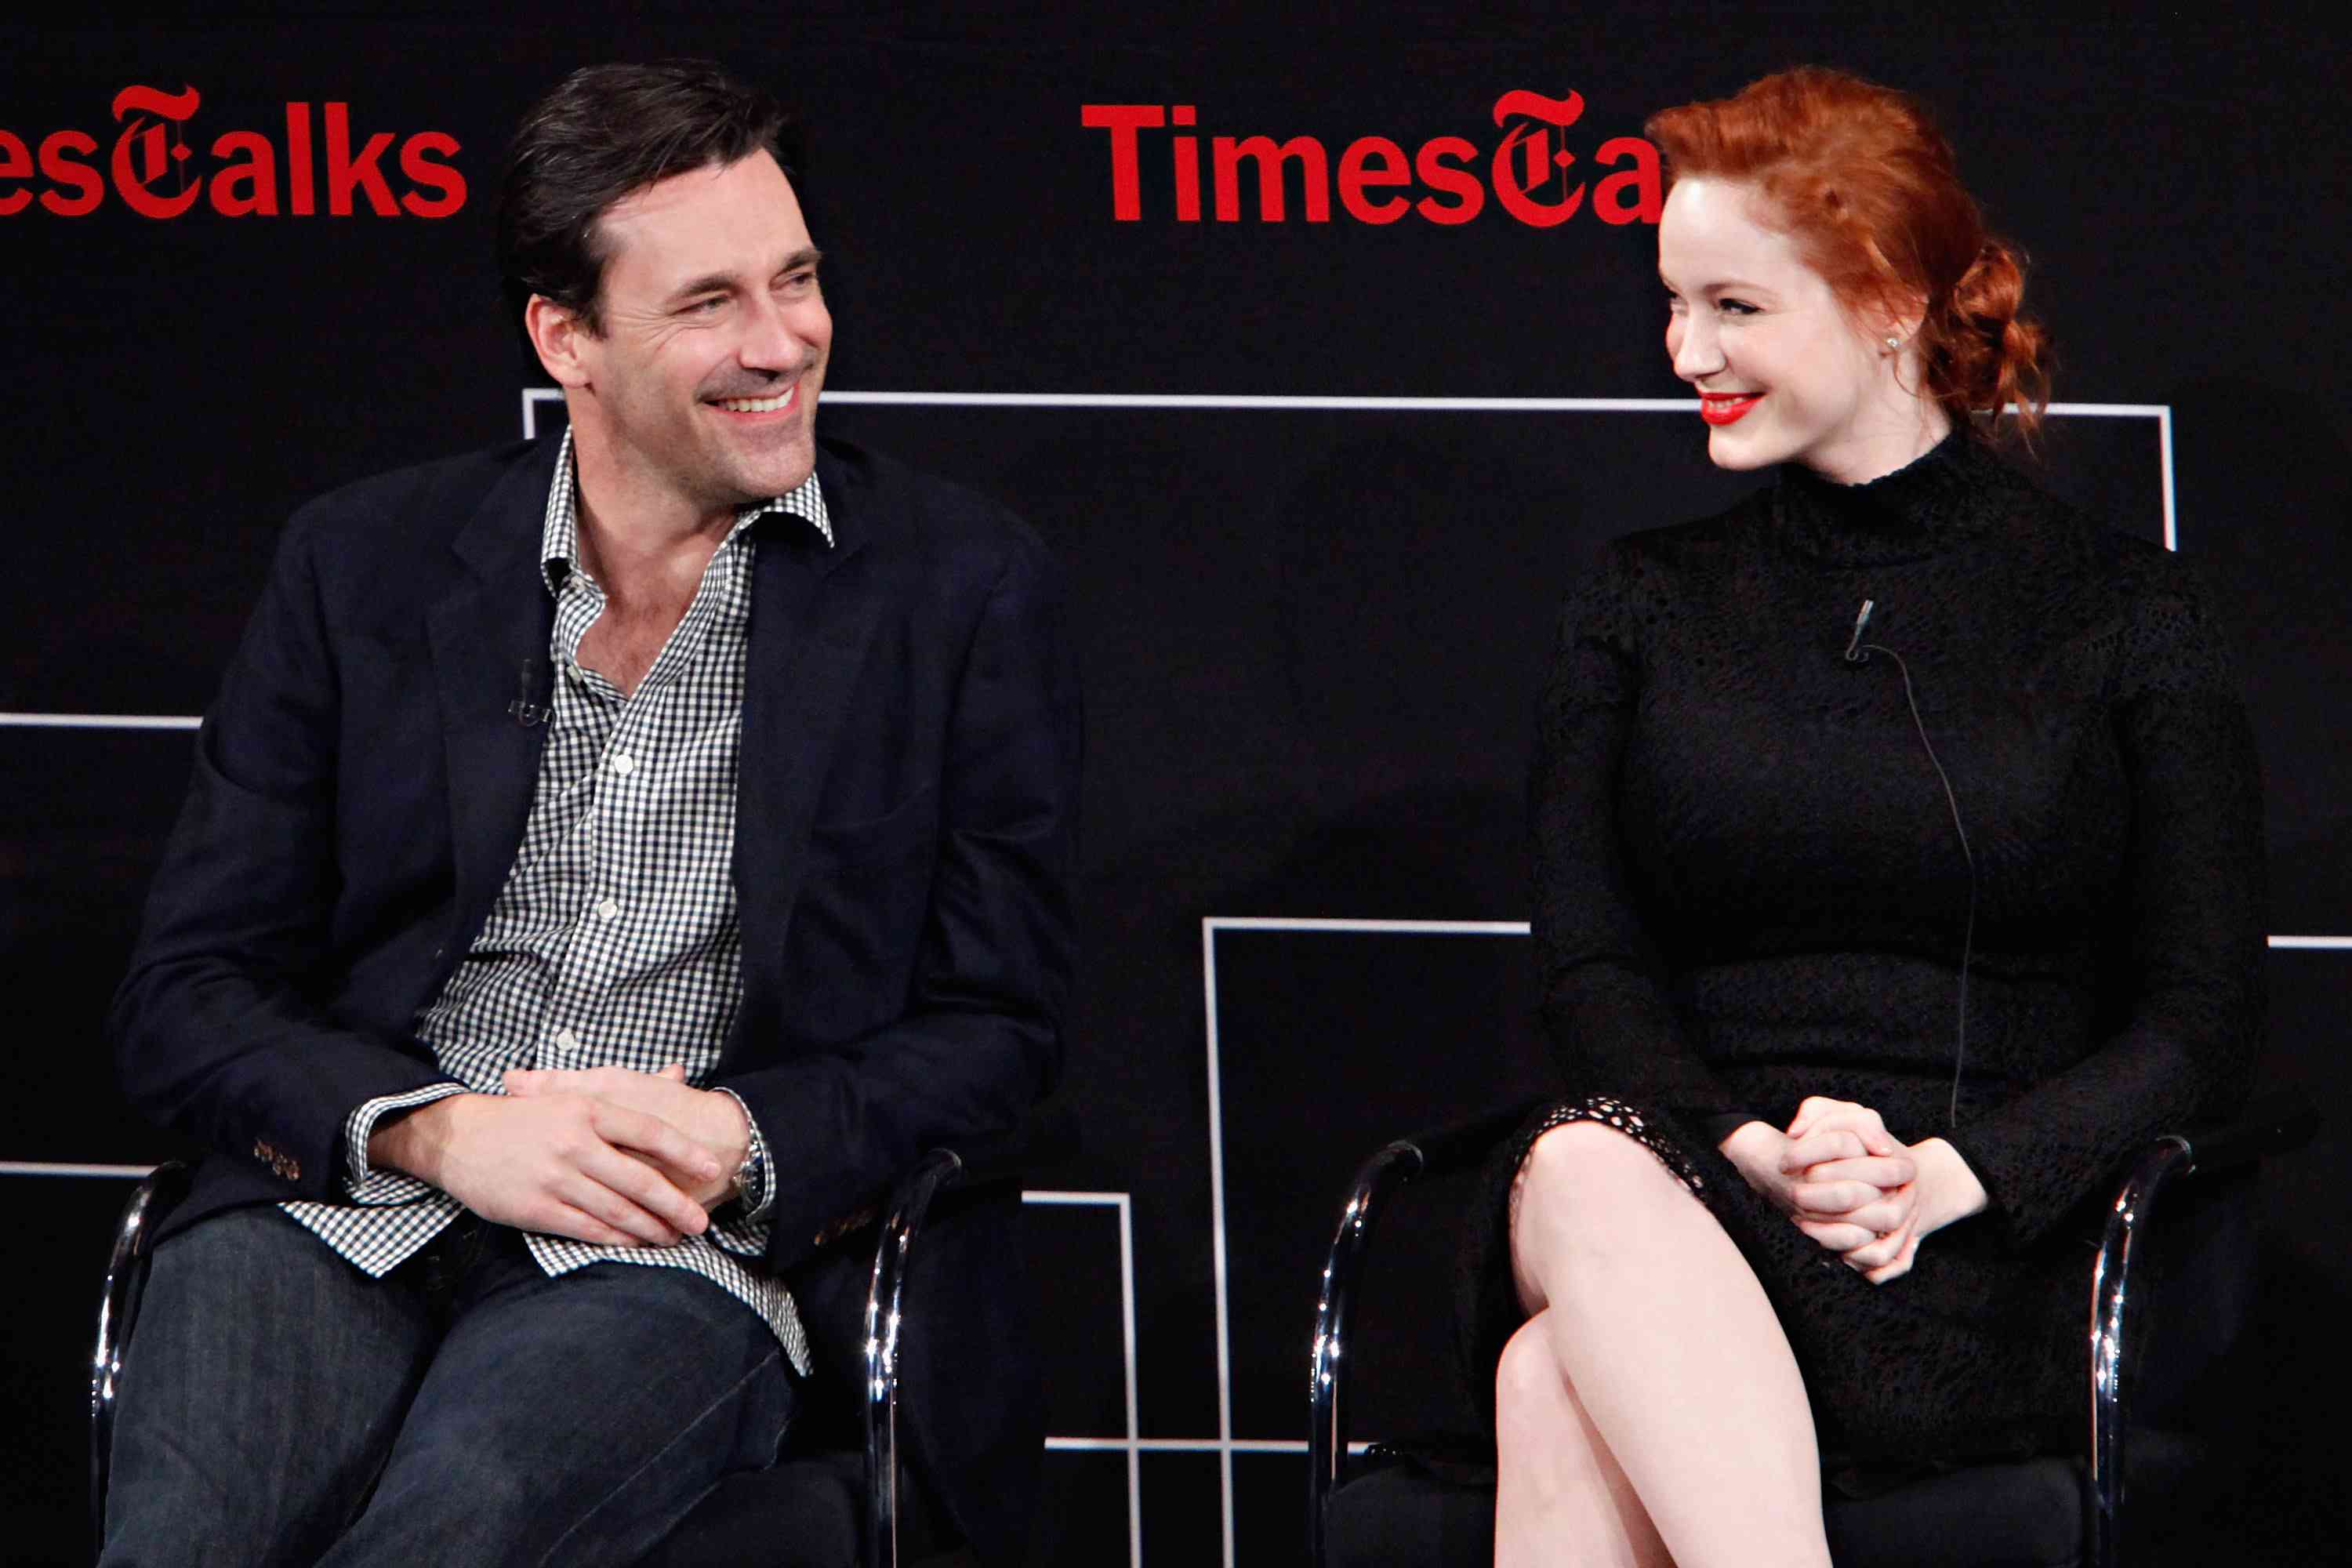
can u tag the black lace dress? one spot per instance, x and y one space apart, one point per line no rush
1749 890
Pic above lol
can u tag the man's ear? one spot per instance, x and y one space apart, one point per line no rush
559 335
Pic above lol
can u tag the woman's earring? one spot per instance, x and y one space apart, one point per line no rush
1893 342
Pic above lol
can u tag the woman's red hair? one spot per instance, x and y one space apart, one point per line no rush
1860 178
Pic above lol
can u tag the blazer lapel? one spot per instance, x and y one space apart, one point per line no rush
489 635
812 614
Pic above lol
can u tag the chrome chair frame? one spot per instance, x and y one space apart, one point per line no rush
909 1205
117 1311
1378 1181
2274 1125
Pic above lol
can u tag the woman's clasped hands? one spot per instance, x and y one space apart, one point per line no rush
1854 1187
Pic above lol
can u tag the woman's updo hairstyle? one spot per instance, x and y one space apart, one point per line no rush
1859 177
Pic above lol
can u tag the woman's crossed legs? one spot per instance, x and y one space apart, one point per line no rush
1650 1410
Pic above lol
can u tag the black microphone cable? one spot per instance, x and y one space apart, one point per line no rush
1858 652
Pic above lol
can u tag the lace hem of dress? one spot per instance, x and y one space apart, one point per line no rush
1615 1113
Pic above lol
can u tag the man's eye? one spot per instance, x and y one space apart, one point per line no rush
709 307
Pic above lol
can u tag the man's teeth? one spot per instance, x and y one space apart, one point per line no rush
754 404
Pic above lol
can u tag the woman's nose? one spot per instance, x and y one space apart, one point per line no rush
1697 352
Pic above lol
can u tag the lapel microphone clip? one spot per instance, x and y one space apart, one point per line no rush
1854 652
526 711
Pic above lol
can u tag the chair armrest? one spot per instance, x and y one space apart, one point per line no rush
1463 1145
1047 1133
2277 1123
1442 1151
117 1311
1376 1182
1046 1136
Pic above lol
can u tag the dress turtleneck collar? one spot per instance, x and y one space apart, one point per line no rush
1945 498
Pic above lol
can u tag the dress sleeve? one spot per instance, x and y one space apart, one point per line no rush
2190 961
1602 981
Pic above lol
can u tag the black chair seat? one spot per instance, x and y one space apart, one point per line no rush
2024 1514
735 1526
802 1512
1413 1507
1402 1508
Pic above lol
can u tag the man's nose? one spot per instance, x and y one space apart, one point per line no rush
772 338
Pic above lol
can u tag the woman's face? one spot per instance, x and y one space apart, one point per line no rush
1784 374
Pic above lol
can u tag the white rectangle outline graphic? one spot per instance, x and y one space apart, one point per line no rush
532 396
1124 1204
1227 1445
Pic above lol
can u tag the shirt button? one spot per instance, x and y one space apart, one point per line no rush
566 1041
623 764
609 910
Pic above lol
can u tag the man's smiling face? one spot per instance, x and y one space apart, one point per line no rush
703 383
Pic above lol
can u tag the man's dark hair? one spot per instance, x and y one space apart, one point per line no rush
604 133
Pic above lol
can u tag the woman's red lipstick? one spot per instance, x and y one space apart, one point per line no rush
1725 407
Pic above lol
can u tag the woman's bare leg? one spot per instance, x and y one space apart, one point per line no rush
1672 1352
1556 1480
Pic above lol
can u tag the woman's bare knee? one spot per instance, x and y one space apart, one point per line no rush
1530 1387
1587 1190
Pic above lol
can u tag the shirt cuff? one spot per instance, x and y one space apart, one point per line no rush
763 1170
362 1183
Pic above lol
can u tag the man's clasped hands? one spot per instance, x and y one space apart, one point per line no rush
1852 1187
609 1155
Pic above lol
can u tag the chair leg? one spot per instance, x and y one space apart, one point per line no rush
117 1311
2110 1299
1327 1426
908 1206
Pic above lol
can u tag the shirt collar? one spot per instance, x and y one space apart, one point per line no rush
559 541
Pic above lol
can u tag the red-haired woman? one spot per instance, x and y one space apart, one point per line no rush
1868 956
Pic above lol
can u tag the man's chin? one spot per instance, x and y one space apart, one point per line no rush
766 475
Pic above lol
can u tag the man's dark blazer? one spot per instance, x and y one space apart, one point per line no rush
904 843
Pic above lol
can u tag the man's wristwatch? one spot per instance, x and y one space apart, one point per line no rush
749 1177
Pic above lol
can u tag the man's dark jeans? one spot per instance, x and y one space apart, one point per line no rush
279 1406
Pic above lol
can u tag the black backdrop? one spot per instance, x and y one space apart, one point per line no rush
1311 630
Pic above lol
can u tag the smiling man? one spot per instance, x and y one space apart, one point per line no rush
610 860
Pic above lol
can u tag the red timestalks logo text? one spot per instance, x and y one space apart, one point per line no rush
1528 170
149 167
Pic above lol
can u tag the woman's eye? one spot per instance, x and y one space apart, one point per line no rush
1737 308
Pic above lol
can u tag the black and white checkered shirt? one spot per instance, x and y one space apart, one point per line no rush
615 941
